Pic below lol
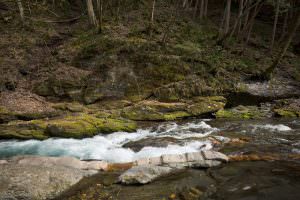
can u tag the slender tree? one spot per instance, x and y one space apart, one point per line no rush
152 18
100 15
275 25
227 17
269 71
21 9
91 13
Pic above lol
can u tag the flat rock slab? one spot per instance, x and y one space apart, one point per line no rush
59 161
143 174
31 182
214 155
204 158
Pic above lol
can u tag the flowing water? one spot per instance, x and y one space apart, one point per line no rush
236 180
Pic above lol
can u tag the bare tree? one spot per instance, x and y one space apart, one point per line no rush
290 36
21 9
100 15
152 18
227 19
91 13
275 25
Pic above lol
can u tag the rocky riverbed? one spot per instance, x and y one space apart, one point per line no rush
169 157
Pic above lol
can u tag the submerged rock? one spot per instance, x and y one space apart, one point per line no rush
144 174
161 111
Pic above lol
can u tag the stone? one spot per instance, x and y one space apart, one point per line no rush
30 182
244 112
162 111
173 158
143 161
195 156
69 162
3 162
205 163
155 161
143 174
214 155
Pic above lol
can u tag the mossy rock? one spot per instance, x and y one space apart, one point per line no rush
6 116
162 111
70 107
22 132
84 125
155 111
286 113
204 105
287 108
243 112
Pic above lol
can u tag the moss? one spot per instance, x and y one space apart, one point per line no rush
71 107
176 115
22 132
242 112
161 111
84 125
286 113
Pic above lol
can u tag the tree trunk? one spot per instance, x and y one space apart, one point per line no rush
196 8
239 21
275 25
286 17
21 9
252 20
152 18
201 9
291 34
205 8
91 13
227 18
100 15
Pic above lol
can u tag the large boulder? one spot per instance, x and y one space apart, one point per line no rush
72 126
24 105
161 111
274 89
191 87
39 178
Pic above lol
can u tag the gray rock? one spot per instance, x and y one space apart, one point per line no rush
205 164
32 182
3 162
173 158
274 89
193 157
59 161
144 174
214 155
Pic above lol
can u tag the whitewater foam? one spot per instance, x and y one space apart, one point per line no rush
278 127
109 147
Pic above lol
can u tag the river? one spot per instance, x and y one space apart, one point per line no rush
277 178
